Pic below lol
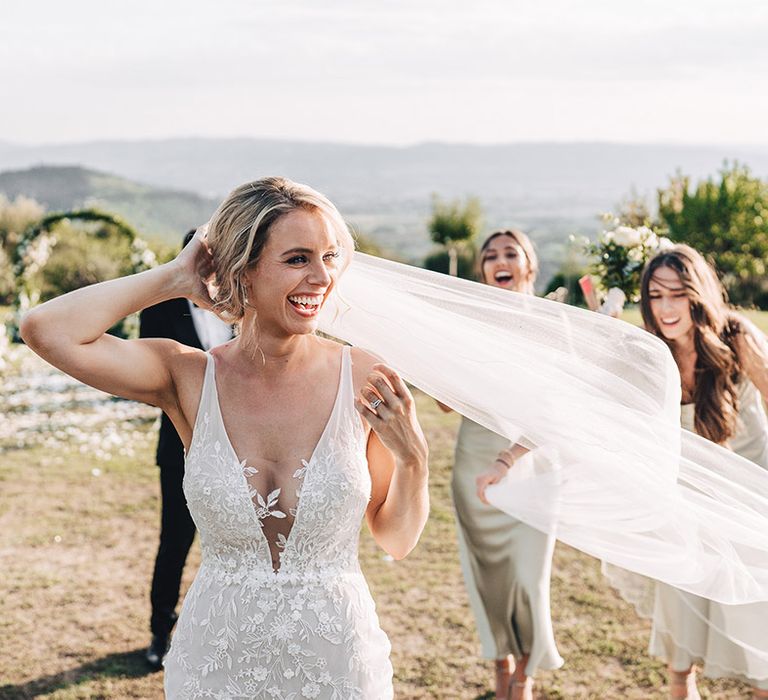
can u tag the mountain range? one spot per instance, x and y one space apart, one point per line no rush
549 189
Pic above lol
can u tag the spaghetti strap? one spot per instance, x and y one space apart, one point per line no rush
206 391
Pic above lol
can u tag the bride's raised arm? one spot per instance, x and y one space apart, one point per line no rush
70 331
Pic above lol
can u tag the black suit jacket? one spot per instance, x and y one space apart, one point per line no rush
169 319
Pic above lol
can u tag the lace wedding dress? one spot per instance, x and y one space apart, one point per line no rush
307 627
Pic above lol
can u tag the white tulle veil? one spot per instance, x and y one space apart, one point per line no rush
611 472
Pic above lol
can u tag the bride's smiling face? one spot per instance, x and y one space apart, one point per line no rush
505 264
669 302
296 271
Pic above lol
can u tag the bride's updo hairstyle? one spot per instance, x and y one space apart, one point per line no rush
715 329
240 227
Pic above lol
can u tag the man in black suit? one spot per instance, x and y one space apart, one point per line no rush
179 320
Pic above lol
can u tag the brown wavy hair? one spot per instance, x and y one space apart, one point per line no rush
523 241
715 327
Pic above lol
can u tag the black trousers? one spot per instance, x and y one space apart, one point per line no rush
176 535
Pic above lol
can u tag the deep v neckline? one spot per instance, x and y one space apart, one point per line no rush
241 464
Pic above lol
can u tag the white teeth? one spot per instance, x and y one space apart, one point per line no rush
503 276
306 301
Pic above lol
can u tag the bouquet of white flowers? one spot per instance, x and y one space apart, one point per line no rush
619 256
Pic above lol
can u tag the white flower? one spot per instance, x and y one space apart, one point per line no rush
647 236
664 243
627 236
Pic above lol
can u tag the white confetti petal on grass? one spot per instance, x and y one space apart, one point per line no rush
44 408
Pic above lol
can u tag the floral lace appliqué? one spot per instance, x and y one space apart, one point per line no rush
306 631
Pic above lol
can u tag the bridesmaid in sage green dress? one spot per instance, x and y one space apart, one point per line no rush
506 564
723 362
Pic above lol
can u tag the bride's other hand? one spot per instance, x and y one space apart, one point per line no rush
388 406
397 461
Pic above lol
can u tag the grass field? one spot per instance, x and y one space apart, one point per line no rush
78 530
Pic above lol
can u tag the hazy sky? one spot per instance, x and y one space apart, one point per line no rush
391 71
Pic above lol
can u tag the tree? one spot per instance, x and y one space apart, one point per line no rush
15 218
439 261
727 220
453 225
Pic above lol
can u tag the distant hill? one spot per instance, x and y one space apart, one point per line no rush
537 176
548 189
162 214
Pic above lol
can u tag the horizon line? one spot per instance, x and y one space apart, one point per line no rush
666 143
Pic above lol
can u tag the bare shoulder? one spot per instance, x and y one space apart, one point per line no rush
187 367
185 360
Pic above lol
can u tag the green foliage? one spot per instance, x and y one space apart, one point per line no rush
439 261
101 246
619 257
726 219
81 258
454 225
453 222
15 218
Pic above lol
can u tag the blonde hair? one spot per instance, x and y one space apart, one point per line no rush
239 229
523 241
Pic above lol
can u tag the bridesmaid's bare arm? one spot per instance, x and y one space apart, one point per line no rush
752 352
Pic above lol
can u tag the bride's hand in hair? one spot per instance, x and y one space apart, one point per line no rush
194 265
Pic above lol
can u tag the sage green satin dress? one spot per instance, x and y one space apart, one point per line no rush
506 563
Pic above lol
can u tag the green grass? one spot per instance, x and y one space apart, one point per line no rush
76 554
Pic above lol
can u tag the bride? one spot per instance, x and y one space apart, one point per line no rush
290 440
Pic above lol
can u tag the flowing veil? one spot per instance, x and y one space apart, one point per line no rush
611 473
